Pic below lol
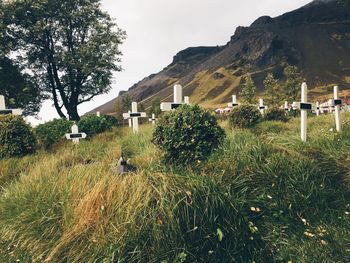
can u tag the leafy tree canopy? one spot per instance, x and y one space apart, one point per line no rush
272 89
71 46
346 3
155 107
19 89
291 87
123 105
248 92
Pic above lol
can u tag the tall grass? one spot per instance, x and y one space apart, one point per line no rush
263 197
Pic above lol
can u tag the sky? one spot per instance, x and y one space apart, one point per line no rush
158 29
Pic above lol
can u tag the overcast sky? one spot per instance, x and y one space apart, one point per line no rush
158 29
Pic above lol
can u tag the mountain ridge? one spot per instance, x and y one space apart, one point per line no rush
211 74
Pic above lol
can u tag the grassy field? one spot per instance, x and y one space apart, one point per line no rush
264 196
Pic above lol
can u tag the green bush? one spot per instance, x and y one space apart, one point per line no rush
92 125
276 114
245 116
52 132
293 113
16 137
187 135
113 121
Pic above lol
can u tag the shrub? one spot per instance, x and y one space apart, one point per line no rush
113 121
92 124
276 114
16 137
187 135
293 113
52 132
245 116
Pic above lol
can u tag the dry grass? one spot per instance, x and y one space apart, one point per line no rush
68 205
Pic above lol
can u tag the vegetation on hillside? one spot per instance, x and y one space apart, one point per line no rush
272 90
16 137
291 87
244 116
277 114
188 135
264 197
122 105
248 92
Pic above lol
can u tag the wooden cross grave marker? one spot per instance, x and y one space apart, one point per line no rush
134 115
75 136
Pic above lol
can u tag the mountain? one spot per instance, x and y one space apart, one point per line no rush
315 38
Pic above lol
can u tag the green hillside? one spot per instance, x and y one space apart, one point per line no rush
315 38
263 197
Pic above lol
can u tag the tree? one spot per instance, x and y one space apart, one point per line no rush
272 89
126 102
71 46
291 87
2 32
123 105
19 89
346 3
248 92
155 107
6 40
141 107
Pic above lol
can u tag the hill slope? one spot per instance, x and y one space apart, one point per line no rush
315 38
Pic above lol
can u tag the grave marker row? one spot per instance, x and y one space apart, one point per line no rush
134 115
304 107
234 103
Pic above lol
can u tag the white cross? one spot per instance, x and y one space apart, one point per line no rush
262 107
330 106
325 107
234 102
4 111
337 103
134 115
304 106
75 136
286 106
317 108
167 106
153 119
128 118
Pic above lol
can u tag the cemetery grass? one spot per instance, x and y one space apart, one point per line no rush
264 196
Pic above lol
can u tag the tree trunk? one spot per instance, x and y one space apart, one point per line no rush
73 112
54 94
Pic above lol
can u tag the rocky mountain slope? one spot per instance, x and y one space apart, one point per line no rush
315 38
